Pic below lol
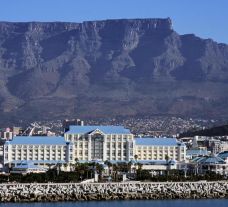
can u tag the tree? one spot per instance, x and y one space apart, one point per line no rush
168 163
99 169
136 157
109 164
129 165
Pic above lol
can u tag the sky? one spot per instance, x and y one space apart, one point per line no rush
205 18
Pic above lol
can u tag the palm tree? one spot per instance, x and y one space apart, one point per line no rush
58 168
167 163
115 170
139 169
136 161
49 166
109 164
65 165
136 157
129 165
99 169
76 161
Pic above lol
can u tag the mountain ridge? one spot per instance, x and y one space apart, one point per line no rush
109 68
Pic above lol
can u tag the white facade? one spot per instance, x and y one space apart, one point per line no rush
160 149
91 143
42 150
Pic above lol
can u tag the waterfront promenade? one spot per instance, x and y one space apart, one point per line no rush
31 192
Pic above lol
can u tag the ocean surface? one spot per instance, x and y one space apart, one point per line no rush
137 203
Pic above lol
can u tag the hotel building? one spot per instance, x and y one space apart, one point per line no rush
91 143
101 142
159 149
42 150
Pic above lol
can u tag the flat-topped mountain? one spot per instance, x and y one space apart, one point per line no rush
109 68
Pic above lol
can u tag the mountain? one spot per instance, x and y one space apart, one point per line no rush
214 131
126 67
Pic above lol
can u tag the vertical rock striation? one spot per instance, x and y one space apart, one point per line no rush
87 68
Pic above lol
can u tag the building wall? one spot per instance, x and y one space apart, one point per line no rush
150 152
220 147
114 146
36 152
95 145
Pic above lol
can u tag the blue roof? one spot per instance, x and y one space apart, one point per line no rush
104 129
38 140
223 155
158 141
209 160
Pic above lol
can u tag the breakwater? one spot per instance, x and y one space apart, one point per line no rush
111 191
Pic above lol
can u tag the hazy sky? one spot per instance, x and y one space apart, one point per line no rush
205 18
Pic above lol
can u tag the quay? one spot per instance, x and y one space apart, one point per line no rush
46 192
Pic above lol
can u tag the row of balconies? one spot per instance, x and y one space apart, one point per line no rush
38 158
37 147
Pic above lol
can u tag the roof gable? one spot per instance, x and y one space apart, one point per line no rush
96 131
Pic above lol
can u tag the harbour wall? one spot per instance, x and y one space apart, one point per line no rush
37 192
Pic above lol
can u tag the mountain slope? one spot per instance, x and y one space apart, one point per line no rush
109 68
210 132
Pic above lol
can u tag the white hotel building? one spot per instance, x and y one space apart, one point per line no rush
42 150
87 143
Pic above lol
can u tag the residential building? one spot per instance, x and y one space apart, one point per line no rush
219 146
7 134
67 123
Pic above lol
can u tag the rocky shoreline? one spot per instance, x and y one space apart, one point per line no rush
42 192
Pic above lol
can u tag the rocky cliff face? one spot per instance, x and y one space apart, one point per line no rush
109 68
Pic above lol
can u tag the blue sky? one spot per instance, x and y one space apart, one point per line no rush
205 18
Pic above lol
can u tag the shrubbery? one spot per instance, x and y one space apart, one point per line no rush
177 176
